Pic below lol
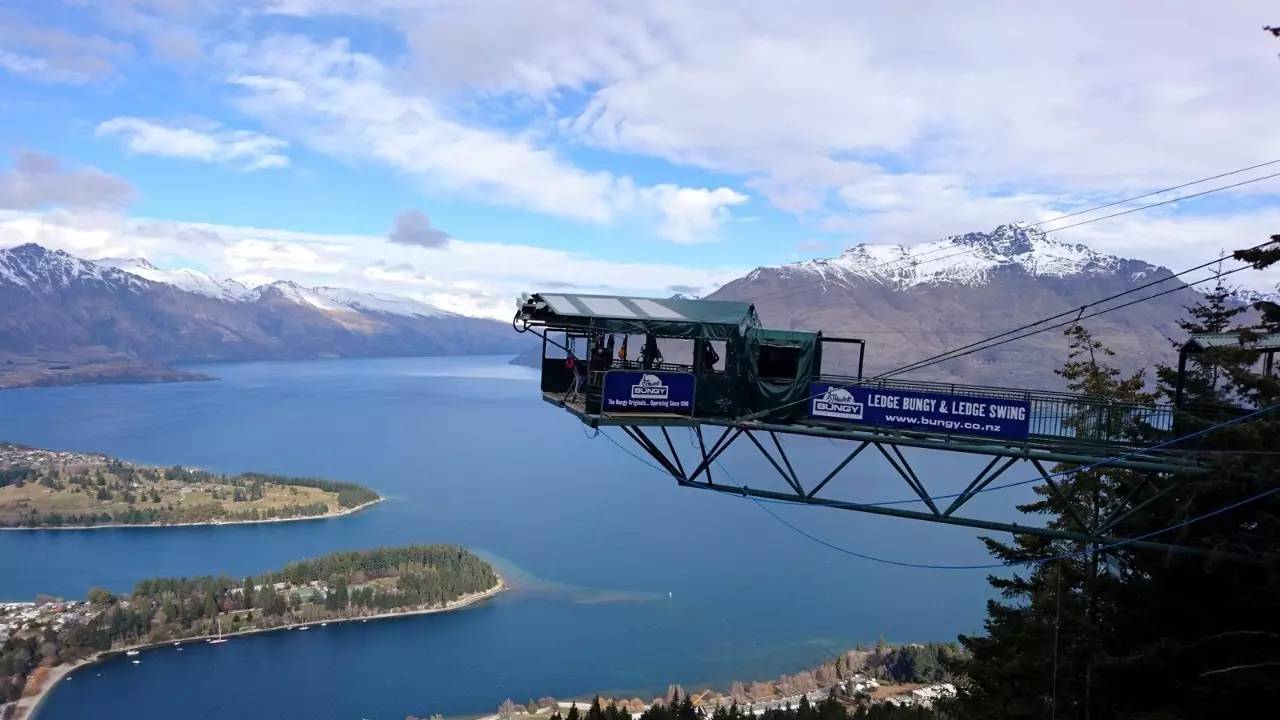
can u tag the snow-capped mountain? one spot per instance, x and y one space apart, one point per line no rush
192 281
32 267
328 299
332 299
55 305
911 303
972 259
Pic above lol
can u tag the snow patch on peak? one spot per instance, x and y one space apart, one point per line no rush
127 264
39 269
380 303
968 259
186 279
334 299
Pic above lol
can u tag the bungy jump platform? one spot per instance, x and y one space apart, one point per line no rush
647 365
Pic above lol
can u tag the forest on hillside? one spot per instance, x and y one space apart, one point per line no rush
1097 629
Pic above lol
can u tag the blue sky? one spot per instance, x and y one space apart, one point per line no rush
617 146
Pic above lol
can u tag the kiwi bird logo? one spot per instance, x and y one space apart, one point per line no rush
838 395
837 403
650 387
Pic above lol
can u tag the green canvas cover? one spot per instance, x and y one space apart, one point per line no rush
765 393
670 317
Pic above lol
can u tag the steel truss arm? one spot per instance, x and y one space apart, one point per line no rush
904 470
1062 498
978 483
795 492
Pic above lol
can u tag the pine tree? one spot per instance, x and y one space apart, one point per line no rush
1045 635
1206 632
1162 635
1202 381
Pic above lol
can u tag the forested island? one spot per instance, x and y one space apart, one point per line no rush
44 640
57 489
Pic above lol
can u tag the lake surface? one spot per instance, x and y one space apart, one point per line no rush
622 581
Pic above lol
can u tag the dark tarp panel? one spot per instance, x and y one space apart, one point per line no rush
769 352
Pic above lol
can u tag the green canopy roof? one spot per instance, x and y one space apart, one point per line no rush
674 317
1206 341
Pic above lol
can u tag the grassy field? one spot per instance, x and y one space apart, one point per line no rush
15 502
41 488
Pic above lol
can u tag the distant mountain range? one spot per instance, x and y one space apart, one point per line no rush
67 319
910 303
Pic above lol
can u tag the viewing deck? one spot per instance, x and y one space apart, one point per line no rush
1060 427
650 365
648 362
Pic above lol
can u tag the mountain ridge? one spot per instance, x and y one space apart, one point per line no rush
911 303
63 314
968 259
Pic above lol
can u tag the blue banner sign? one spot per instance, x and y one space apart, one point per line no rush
918 410
648 391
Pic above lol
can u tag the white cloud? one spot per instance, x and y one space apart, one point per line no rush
348 104
907 208
470 277
201 140
413 227
692 214
52 55
171 28
1006 100
254 256
37 180
39 68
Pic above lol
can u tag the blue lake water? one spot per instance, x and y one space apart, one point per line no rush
623 582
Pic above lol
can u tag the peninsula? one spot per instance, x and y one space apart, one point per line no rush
42 642
51 489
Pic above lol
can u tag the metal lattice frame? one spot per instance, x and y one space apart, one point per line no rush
1101 534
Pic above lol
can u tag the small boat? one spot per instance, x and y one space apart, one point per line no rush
131 653
218 640
137 662
177 644
324 624
179 649
304 627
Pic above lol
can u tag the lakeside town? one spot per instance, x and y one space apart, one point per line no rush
899 676
911 675
43 641
859 690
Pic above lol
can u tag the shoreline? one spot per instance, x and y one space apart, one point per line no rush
58 673
211 523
